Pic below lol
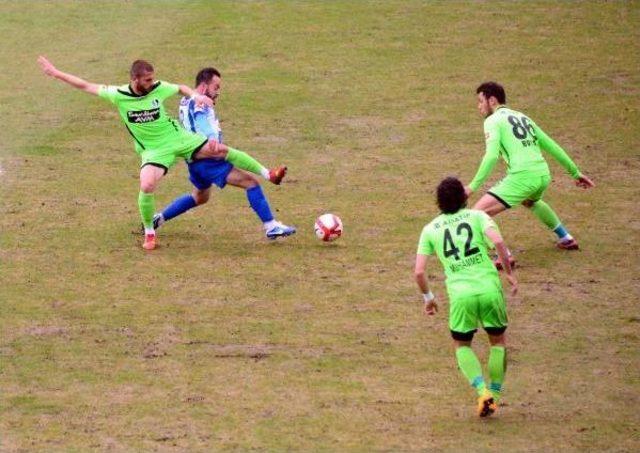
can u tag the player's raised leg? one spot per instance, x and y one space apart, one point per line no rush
241 160
548 217
259 203
150 176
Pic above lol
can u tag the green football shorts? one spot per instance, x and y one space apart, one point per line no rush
515 188
488 309
182 145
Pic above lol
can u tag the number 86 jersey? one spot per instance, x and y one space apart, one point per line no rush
517 138
460 243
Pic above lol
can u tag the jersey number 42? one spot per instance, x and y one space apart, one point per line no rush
449 247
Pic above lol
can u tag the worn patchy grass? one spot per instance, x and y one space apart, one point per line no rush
220 340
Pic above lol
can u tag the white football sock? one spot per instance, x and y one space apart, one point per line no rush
271 224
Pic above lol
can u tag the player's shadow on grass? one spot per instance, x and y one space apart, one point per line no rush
330 246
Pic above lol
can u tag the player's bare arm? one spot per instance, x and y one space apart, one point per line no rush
49 69
201 99
503 253
430 304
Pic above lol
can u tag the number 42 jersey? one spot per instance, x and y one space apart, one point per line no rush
461 245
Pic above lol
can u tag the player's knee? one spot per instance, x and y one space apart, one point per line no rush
215 151
201 197
210 151
496 335
148 186
251 181
528 203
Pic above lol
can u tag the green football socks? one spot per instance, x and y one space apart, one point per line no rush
470 366
548 216
545 214
147 206
497 369
244 161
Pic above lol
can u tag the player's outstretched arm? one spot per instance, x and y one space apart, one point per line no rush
485 169
489 161
49 69
503 253
430 305
491 155
550 146
201 99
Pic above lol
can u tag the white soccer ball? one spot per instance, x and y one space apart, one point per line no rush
328 227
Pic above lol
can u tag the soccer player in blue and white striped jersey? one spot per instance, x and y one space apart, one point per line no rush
203 173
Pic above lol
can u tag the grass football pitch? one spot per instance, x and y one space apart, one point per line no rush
220 340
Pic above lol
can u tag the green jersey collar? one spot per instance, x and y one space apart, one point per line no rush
132 94
501 106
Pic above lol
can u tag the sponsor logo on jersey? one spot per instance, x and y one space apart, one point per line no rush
143 116
155 103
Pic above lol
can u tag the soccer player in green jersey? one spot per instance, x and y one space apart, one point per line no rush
460 238
159 140
520 142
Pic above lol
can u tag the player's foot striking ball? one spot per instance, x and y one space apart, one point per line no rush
277 174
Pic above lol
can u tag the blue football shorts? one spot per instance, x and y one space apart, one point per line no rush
203 173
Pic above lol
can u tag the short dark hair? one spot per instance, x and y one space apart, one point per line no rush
493 89
140 67
206 74
451 196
